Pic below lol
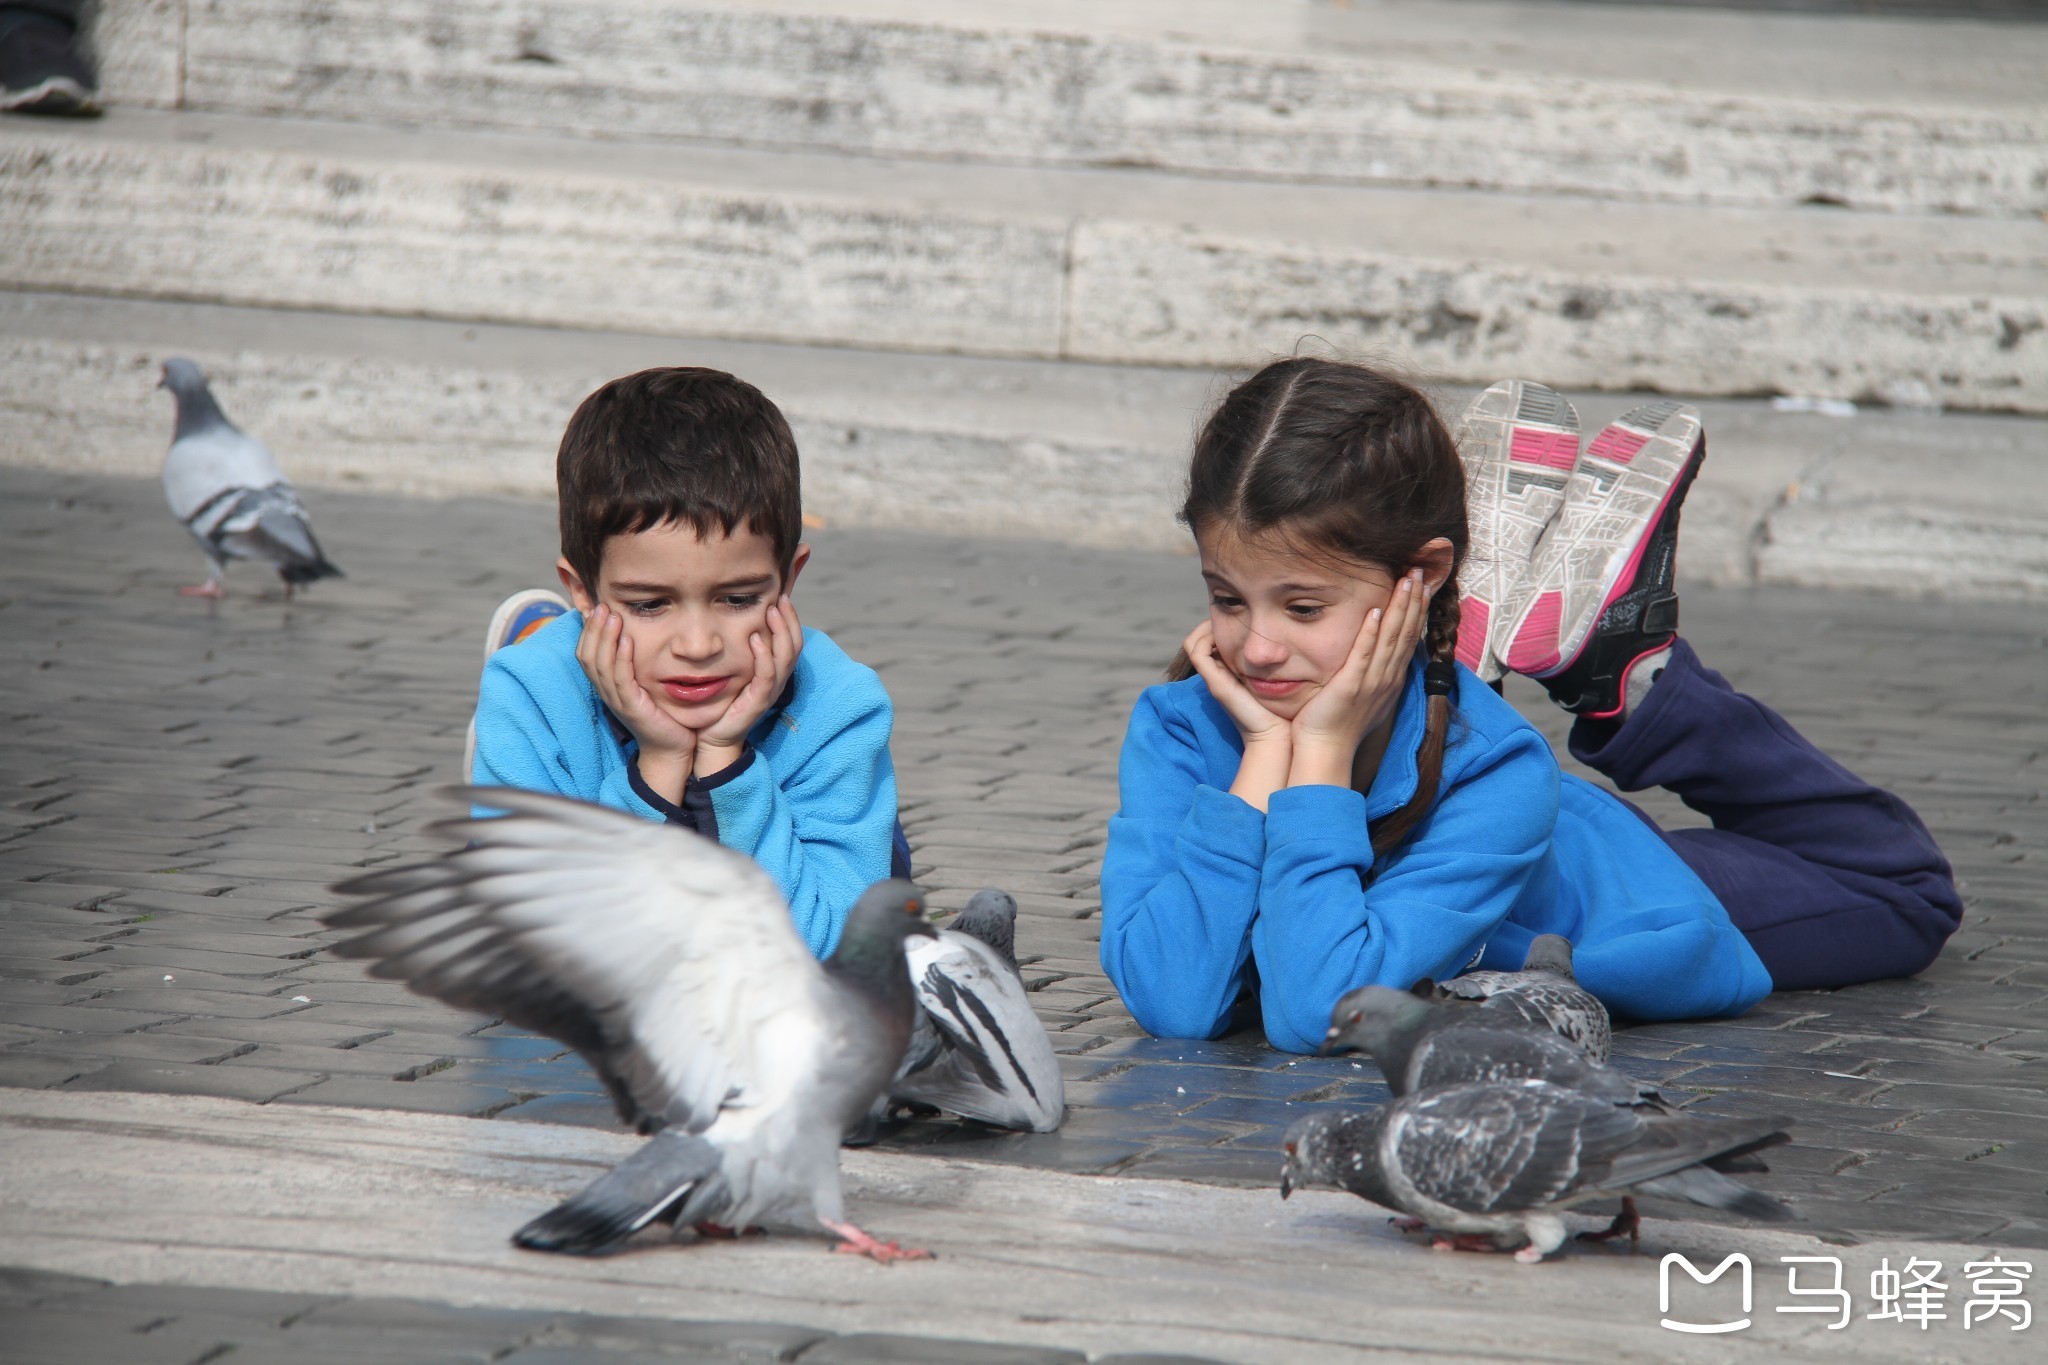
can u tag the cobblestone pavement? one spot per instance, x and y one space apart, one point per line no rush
54 1319
180 781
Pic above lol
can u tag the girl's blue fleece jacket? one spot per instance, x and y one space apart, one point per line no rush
812 798
1201 893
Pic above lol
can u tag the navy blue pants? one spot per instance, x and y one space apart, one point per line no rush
1832 880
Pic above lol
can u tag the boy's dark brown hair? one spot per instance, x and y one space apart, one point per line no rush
1346 462
678 444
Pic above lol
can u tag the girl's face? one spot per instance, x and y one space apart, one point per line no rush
1285 622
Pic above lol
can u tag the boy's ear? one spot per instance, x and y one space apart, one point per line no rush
796 566
579 596
1435 560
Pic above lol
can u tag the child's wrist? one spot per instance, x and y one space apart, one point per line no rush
714 757
665 771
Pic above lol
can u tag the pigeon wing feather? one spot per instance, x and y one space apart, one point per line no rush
998 1064
665 958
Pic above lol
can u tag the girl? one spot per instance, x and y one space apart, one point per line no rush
1323 798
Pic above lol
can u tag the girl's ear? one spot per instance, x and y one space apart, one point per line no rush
579 596
1435 560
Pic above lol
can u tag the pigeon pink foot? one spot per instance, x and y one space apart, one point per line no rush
1464 1241
857 1243
207 589
1406 1224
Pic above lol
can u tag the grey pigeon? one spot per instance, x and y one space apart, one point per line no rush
1545 993
226 488
671 964
1420 1045
1493 1165
979 1049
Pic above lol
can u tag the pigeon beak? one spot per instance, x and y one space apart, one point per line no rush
1333 1043
1286 1183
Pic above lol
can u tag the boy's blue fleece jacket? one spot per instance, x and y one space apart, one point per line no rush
1198 887
812 798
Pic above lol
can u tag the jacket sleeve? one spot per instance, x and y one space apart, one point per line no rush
1180 883
821 816
520 743
1329 925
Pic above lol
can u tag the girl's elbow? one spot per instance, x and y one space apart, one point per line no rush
1177 1018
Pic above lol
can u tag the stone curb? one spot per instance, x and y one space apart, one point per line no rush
1076 453
1294 92
1110 266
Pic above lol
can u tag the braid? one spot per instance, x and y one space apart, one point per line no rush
1440 643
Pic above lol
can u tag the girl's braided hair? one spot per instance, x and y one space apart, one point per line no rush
1341 461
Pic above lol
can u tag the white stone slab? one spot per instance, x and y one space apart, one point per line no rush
1755 109
288 1197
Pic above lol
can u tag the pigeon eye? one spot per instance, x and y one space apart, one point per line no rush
1290 1149
1357 1015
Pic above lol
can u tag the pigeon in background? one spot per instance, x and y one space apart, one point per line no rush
671 964
225 486
1420 1044
1545 993
1494 1165
979 1049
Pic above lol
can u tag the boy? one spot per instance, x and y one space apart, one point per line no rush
683 687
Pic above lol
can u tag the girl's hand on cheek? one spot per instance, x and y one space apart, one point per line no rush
1366 690
1254 722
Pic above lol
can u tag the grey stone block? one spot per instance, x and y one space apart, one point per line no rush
882 1348
255 1083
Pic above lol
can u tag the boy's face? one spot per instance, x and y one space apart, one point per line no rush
689 604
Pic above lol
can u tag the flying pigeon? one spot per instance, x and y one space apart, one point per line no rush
1493 1165
225 486
1420 1045
1544 993
979 1050
671 964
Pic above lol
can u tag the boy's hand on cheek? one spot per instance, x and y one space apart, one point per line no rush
1366 690
666 748
720 744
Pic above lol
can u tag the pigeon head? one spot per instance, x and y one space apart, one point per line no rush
182 377
1372 1019
1311 1150
1550 953
991 916
886 914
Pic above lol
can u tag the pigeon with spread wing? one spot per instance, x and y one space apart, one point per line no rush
671 964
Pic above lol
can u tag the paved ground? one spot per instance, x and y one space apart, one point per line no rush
179 782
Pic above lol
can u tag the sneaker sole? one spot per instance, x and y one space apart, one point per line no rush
1624 483
57 97
1518 443
508 611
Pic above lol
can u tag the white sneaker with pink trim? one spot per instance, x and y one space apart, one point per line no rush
1604 569
1518 442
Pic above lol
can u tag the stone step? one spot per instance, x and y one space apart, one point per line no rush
1634 102
1115 266
1084 454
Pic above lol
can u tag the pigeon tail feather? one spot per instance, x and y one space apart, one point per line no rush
1698 1185
626 1198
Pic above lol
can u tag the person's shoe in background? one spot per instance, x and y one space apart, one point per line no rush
43 66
